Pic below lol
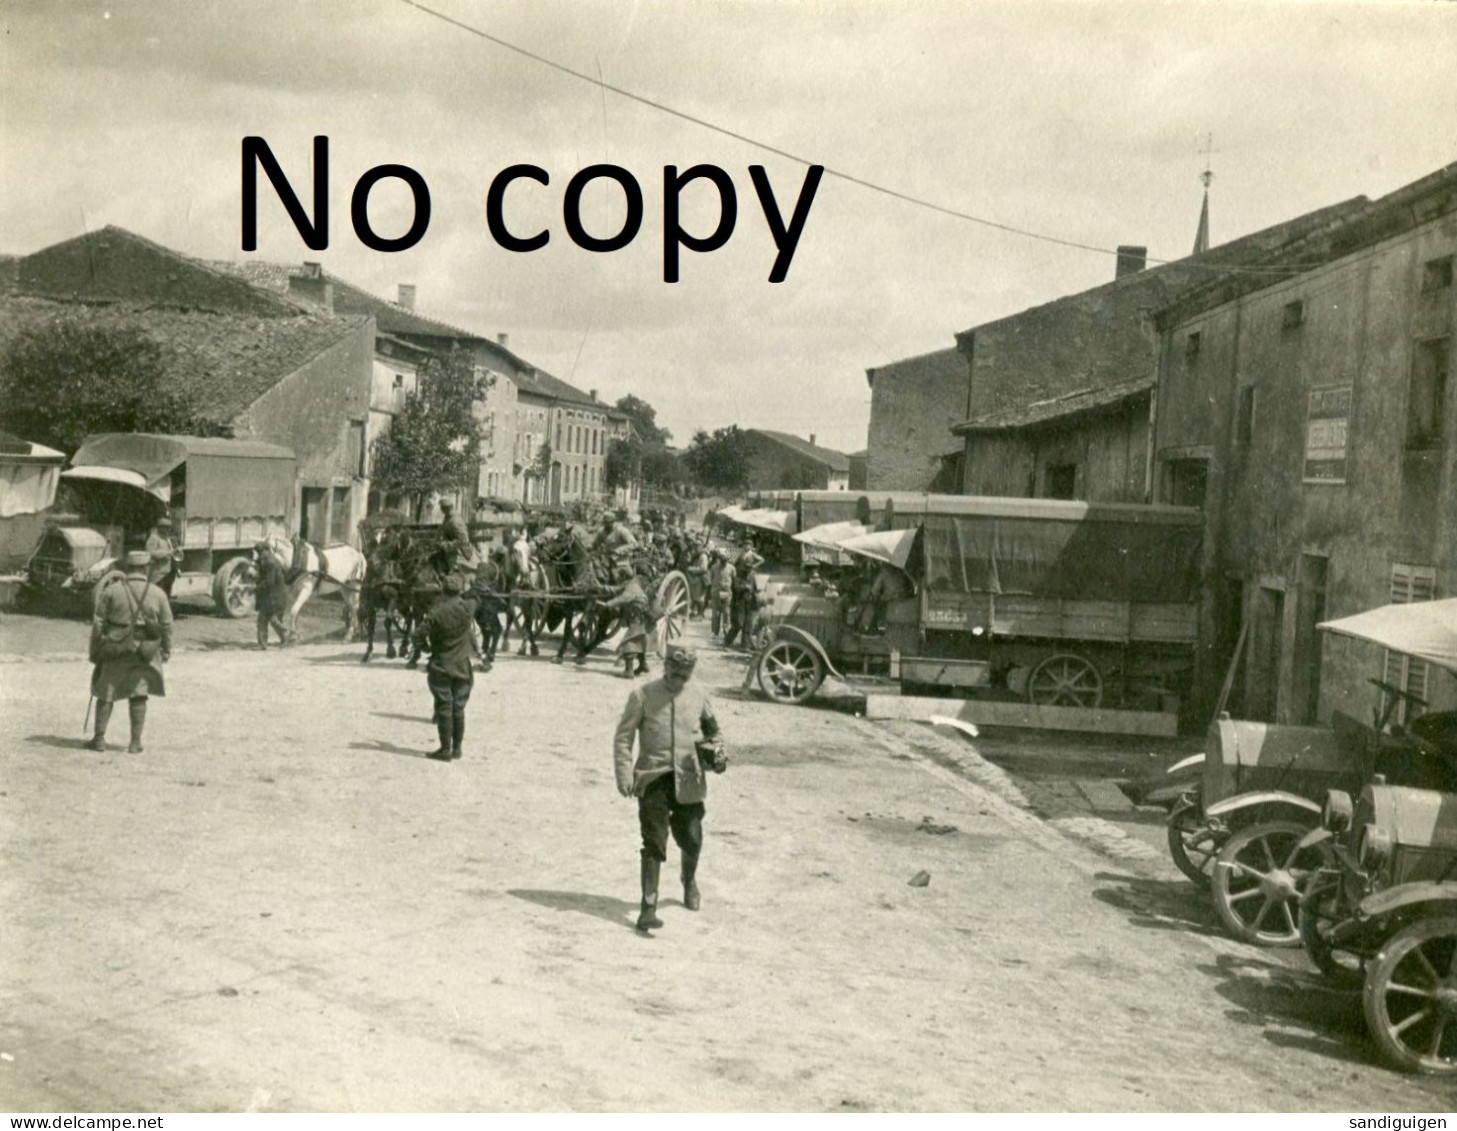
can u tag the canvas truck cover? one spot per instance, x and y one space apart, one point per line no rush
225 478
1050 548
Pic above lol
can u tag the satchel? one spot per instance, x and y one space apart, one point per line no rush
142 640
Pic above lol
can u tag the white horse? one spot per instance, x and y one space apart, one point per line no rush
338 568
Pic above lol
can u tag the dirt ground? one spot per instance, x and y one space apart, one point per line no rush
282 905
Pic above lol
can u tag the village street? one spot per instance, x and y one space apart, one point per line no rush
282 905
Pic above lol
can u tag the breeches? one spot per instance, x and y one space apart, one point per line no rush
451 695
659 812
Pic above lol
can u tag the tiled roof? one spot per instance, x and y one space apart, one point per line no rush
1056 408
221 362
1101 338
1399 211
115 265
835 461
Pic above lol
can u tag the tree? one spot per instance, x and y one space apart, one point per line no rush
64 380
623 463
434 443
645 417
662 468
720 460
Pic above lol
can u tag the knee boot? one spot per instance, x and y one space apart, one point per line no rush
103 716
647 918
445 729
137 709
457 732
690 884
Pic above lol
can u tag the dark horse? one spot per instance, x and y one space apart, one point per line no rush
576 578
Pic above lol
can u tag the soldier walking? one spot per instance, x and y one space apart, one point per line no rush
131 638
666 720
446 632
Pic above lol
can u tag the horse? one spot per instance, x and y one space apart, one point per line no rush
490 593
341 568
383 592
575 577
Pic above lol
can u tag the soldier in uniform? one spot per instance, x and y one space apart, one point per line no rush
666 720
615 539
446 633
632 599
131 638
455 548
164 556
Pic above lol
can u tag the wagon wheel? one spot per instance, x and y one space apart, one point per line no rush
790 671
1192 844
1410 996
671 606
538 606
233 588
1257 879
1065 680
1319 912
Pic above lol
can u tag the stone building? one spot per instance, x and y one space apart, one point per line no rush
780 461
1306 406
914 403
258 364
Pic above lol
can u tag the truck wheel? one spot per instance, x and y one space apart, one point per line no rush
1192 844
1065 680
1409 1000
233 588
790 671
1257 879
1319 911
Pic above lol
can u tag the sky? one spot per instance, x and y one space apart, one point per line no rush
1087 122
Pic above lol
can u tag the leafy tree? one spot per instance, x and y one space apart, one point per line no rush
646 419
720 460
662 468
64 380
623 463
434 443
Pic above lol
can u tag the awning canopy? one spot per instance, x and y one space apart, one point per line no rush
830 535
111 475
1426 630
892 546
781 522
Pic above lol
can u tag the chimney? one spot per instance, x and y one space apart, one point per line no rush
504 341
593 394
310 284
1131 260
407 296
812 440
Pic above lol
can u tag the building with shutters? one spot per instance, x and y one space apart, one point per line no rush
1306 405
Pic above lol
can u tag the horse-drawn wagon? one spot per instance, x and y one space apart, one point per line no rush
222 497
1063 603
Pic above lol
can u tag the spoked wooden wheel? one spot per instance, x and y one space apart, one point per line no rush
671 604
1257 879
1192 844
1410 996
1319 912
790 671
1065 680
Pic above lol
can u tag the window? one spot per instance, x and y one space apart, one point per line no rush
397 392
1426 404
339 516
1061 481
311 514
1294 315
1191 348
1437 274
1409 583
1244 429
1188 482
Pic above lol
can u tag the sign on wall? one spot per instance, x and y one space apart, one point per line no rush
1325 434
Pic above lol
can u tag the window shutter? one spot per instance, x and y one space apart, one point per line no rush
1409 584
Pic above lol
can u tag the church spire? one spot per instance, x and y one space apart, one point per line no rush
1201 237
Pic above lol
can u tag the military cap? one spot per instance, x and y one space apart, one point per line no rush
164 521
137 559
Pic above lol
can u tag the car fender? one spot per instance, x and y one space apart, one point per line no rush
1403 896
790 632
1223 810
1186 764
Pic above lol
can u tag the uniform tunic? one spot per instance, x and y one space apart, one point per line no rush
633 601
118 606
665 727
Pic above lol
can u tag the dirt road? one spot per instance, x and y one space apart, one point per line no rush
282 905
